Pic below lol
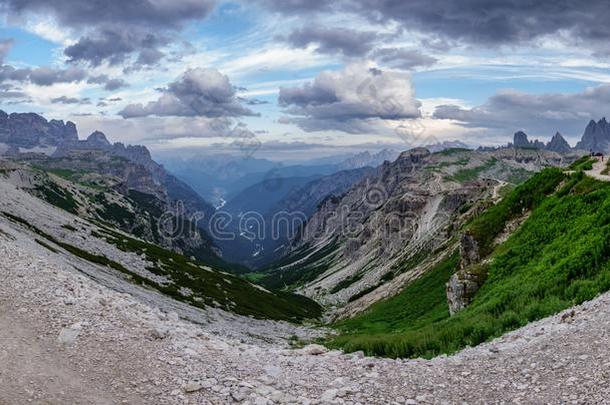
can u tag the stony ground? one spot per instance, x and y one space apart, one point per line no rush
66 339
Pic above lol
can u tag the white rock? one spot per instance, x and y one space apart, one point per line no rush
68 336
192 386
329 395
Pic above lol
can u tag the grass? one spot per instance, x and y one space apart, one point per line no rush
524 197
421 302
558 258
464 175
215 288
58 196
584 163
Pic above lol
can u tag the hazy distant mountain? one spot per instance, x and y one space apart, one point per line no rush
294 197
440 146
366 158
220 178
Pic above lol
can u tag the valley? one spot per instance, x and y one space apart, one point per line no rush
457 262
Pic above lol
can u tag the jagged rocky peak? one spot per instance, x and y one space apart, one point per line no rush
596 137
98 138
558 144
520 140
30 130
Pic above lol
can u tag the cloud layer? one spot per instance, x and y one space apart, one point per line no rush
536 114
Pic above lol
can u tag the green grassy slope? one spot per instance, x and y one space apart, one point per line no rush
558 258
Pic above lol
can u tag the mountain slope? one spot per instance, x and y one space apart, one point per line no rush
558 257
119 255
383 233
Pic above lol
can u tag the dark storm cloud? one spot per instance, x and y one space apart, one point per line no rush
115 29
482 22
350 100
334 40
538 114
198 92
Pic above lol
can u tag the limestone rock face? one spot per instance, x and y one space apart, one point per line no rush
461 289
465 283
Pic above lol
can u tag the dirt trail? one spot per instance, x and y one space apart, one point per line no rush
37 370
598 168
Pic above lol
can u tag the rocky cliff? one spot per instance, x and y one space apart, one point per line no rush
25 131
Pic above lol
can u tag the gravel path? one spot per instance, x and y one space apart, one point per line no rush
67 339
598 167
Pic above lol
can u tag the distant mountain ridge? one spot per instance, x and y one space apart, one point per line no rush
556 144
30 130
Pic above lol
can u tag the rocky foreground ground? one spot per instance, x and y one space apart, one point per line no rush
66 339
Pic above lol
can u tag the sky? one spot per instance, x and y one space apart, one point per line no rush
300 79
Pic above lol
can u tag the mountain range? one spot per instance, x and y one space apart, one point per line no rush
595 138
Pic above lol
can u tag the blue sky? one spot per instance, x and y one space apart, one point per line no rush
301 80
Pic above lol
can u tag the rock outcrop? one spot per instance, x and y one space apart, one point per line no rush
465 283
596 137
520 140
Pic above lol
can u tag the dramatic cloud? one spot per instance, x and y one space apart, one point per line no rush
42 76
403 58
350 100
334 40
486 23
539 115
114 29
114 47
199 92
